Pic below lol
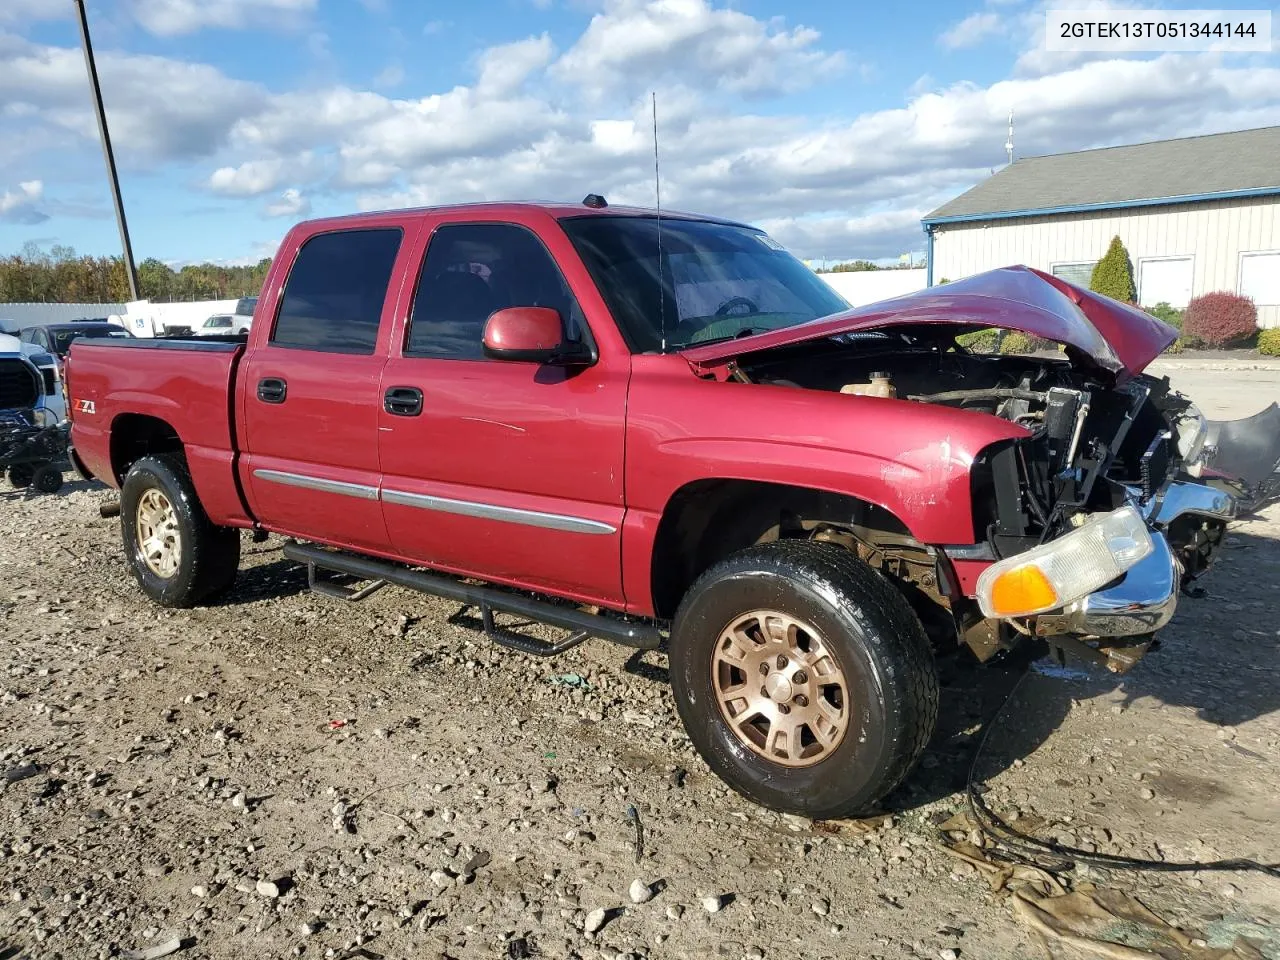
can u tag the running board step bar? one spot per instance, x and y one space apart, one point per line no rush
641 636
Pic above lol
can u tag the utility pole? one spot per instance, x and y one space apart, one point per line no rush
130 270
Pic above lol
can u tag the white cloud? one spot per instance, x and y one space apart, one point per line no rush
255 177
191 119
392 75
530 126
972 30
505 68
291 204
20 206
635 44
376 139
885 233
19 11
433 27
168 18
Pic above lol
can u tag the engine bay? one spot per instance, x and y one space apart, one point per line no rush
1092 445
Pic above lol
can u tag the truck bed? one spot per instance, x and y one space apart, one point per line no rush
185 384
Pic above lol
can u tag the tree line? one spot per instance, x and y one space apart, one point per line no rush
862 266
59 275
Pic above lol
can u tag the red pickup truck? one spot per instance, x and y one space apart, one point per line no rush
667 430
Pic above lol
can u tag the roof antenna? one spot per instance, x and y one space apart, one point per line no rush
1008 144
657 196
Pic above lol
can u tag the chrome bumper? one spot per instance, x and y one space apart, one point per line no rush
1180 498
1142 602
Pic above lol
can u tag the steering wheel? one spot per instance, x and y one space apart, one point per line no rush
737 307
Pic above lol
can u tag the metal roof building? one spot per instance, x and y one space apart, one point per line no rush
1197 215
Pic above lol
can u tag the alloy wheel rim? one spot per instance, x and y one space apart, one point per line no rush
159 539
780 689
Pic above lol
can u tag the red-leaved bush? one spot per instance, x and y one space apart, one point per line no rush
1221 319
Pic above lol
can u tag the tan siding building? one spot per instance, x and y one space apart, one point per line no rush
1187 231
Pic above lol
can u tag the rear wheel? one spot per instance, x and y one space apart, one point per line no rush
803 678
47 480
177 555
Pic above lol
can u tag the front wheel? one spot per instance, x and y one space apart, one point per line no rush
47 479
177 555
803 678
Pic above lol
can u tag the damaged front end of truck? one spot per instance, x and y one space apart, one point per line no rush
1090 525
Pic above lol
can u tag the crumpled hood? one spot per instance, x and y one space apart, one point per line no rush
1110 336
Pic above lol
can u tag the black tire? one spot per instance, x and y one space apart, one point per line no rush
872 633
21 475
47 480
209 556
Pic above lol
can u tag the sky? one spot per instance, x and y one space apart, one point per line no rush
833 125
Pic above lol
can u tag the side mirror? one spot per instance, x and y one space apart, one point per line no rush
531 334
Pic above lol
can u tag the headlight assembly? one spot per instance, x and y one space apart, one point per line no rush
1056 573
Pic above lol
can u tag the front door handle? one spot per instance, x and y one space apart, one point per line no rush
403 401
272 390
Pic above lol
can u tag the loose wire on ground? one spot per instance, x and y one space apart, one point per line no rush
1025 849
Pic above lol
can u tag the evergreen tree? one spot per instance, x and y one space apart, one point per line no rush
1113 275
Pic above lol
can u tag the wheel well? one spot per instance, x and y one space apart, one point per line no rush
136 435
707 520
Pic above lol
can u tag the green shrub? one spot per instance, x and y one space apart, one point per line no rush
1015 342
1170 315
1176 347
1269 342
1113 274
980 341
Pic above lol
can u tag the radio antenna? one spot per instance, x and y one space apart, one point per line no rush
657 196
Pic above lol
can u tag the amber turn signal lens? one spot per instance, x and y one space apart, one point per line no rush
1021 589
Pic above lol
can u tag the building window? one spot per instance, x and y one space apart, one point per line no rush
1260 277
1165 280
1078 273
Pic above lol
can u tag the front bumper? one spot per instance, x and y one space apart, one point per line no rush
1141 602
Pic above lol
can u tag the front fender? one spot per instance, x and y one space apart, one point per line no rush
912 459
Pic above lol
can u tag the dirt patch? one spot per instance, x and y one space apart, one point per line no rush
287 775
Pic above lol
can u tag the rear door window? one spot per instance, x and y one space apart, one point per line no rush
472 270
333 298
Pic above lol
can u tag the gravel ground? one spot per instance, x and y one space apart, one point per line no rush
288 775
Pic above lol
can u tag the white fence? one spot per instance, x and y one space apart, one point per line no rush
871 286
142 318
15 316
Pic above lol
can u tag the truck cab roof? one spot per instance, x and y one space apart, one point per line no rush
559 210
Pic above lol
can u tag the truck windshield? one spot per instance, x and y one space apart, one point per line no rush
715 281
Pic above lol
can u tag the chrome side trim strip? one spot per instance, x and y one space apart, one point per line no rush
488 511
358 490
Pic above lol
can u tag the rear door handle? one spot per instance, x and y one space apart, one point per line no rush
403 401
272 390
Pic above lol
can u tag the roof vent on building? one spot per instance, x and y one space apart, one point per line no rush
594 201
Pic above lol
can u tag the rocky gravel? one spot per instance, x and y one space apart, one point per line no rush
286 775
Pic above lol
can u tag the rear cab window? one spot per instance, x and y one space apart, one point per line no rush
333 298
